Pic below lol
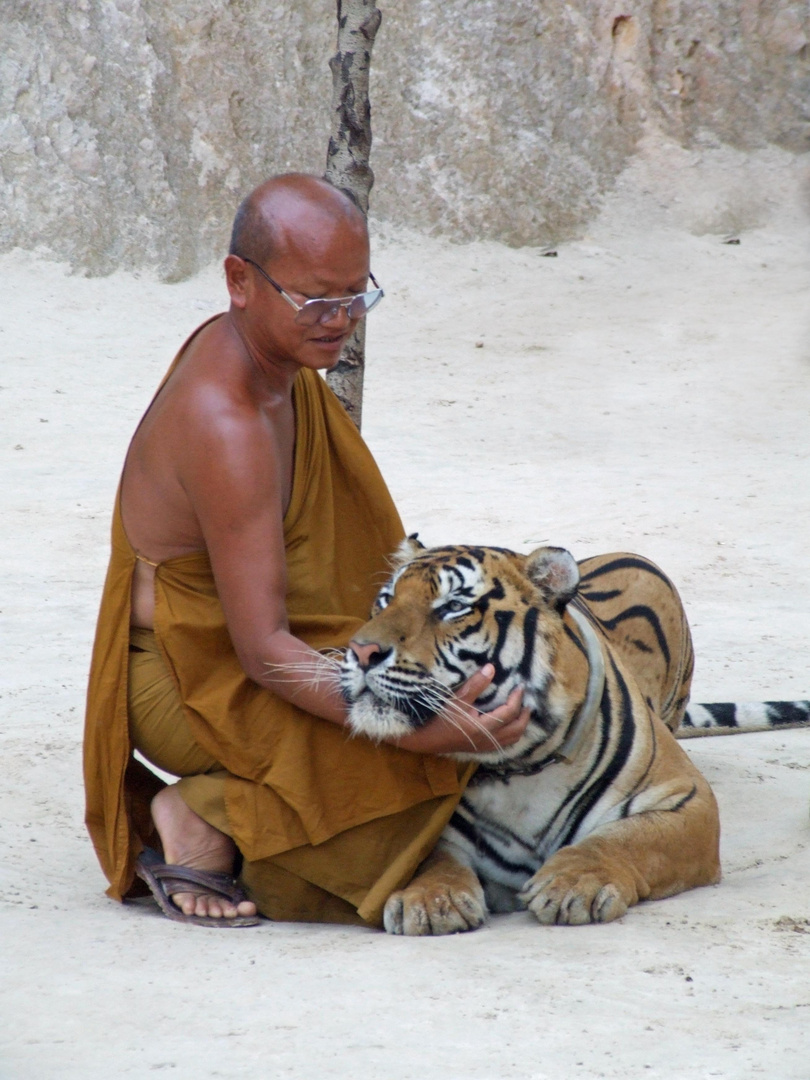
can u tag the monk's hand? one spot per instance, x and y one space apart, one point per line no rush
461 728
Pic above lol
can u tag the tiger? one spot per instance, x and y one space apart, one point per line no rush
597 806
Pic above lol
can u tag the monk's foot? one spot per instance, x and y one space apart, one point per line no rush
190 841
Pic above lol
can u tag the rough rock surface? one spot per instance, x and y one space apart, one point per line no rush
130 128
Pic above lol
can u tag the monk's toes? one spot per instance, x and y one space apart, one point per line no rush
186 902
203 905
212 906
215 907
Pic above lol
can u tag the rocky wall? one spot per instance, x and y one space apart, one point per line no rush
129 129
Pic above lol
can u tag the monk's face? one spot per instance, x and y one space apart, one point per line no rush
318 258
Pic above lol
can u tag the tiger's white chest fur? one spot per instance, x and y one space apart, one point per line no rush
505 830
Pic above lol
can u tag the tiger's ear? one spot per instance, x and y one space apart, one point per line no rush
407 551
555 573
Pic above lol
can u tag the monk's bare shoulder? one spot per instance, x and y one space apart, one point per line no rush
215 446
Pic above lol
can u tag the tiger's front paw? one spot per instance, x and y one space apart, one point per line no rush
437 908
570 891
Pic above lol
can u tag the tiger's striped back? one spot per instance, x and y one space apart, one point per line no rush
640 612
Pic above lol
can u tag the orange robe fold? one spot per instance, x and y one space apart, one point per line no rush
294 779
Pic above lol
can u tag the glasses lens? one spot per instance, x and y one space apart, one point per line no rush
321 311
363 303
315 311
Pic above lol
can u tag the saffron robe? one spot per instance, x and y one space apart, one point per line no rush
295 781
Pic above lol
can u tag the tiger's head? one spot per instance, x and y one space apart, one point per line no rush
444 613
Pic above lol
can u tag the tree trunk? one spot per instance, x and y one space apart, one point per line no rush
347 161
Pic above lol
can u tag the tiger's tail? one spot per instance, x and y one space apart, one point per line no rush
734 717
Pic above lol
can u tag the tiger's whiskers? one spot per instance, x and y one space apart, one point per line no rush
436 697
320 670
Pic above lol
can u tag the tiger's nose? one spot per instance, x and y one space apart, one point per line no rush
368 654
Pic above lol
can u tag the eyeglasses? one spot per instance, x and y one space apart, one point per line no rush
312 312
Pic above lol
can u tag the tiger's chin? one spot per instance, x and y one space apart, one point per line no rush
378 720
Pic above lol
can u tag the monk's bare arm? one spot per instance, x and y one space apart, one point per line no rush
233 474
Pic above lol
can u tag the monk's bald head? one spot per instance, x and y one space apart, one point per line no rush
287 210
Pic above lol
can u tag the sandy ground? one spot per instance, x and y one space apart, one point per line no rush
647 389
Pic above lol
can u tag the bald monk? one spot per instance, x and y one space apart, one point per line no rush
251 530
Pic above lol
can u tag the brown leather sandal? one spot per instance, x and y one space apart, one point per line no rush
164 880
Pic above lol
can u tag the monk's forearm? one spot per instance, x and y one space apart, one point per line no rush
300 675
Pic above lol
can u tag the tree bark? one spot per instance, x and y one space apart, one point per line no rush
347 161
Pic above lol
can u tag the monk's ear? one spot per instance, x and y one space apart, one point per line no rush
408 550
236 280
555 573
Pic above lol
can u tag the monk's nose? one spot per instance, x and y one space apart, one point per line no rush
368 654
339 319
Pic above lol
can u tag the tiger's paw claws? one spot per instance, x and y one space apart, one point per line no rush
421 912
565 901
